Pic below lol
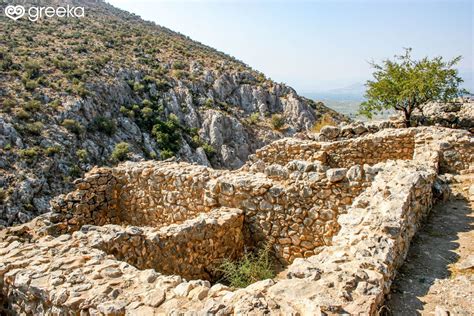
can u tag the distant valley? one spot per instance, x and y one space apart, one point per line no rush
344 100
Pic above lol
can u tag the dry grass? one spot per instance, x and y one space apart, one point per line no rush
325 120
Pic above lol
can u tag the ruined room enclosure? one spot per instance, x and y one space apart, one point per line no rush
339 214
181 219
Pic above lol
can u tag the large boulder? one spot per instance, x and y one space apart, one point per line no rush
330 132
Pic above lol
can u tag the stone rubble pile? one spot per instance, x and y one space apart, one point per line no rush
459 115
142 238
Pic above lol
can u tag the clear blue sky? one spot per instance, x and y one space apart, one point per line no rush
319 45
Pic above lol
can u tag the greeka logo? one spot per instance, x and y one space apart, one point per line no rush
14 12
36 13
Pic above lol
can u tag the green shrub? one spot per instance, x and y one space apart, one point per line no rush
162 85
52 150
168 134
32 69
8 104
75 171
180 74
124 110
104 125
80 89
149 79
209 103
33 105
82 154
277 121
147 103
179 65
261 78
253 118
252 267
136 107
55 104
22 114
138 87
73 126
34 128
6 60
64 65
31 85
147 113
29 152
198 142
165 154
209 150
120 152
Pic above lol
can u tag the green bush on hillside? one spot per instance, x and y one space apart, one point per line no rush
120 152
104 125
73 126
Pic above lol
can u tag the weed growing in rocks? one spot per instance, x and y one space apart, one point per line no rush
252 267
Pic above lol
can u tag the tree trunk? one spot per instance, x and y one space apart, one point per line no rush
407 115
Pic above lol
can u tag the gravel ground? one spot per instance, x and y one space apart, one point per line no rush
438 275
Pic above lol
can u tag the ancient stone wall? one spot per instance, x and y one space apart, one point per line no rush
381 145
69 273
96 270
93 202
294 206
157 194
370 149
294 209
296 216
192 249
372 243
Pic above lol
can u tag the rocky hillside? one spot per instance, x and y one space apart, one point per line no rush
79 92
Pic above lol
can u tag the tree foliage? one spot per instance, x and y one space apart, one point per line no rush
405 84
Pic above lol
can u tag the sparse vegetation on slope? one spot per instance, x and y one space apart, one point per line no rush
88 84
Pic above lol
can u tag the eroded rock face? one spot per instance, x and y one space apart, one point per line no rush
227 132
349 273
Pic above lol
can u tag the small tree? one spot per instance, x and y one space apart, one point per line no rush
405 84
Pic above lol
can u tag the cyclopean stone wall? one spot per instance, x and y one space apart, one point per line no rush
72 274
294 208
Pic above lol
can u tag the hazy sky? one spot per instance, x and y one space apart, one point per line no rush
318 45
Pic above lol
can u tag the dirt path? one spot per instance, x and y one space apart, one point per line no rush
438 275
